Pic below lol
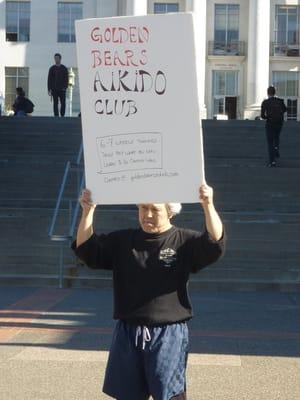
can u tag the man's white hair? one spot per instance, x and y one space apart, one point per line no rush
173 208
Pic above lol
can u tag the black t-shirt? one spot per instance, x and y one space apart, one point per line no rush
58 77
151 271
273 110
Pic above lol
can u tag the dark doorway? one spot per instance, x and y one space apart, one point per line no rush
231 107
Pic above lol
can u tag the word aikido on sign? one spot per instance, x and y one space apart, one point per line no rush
137 80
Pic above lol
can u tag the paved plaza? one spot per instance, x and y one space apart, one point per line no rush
54 344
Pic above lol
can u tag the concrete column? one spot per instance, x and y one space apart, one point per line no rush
136 7
3 60
258 56
199 9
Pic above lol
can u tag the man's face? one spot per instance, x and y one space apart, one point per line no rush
154 218
57 60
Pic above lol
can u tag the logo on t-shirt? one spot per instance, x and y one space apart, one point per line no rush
168 256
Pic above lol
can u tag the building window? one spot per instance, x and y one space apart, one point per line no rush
227 23
287 24
15 77
68 13
163 8
225 83
225 93
286 83
17 21
287 87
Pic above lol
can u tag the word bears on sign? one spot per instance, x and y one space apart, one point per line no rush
125 58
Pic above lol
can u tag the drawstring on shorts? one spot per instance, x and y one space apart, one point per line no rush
145 333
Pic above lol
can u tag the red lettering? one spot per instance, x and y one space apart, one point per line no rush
144 34
96 58
132 34
130 55
144 58
117 60
96 37
114 35
107 35
107 58
123 35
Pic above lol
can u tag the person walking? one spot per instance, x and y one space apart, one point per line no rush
151 267
272 110
22 105
58 78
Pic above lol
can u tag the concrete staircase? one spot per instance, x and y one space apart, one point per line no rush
260 206
33 156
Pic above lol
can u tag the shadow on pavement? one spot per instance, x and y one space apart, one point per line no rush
224 323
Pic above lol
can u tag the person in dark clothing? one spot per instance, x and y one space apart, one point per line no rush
272 110
151 267
58 78
22 105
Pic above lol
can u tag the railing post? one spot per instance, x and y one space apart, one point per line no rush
59 199
61 266
70 212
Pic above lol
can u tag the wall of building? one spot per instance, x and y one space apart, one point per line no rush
228 63
37 54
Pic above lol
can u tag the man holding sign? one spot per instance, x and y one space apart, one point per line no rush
140 102
151 268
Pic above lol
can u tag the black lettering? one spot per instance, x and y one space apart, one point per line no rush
98 102
97 80
121 108
107 103
142 73
164 83
131 107
121 81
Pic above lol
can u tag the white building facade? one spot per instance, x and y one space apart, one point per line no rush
246 45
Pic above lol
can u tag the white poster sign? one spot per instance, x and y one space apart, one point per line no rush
140 110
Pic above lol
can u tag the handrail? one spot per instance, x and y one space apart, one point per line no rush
62 188
73 213
68 168
79 156
76 211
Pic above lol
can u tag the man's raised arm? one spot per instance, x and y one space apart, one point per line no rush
213 222
85 228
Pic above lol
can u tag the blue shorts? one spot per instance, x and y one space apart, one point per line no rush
146 361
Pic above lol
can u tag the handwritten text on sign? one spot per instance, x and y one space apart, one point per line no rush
128 152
